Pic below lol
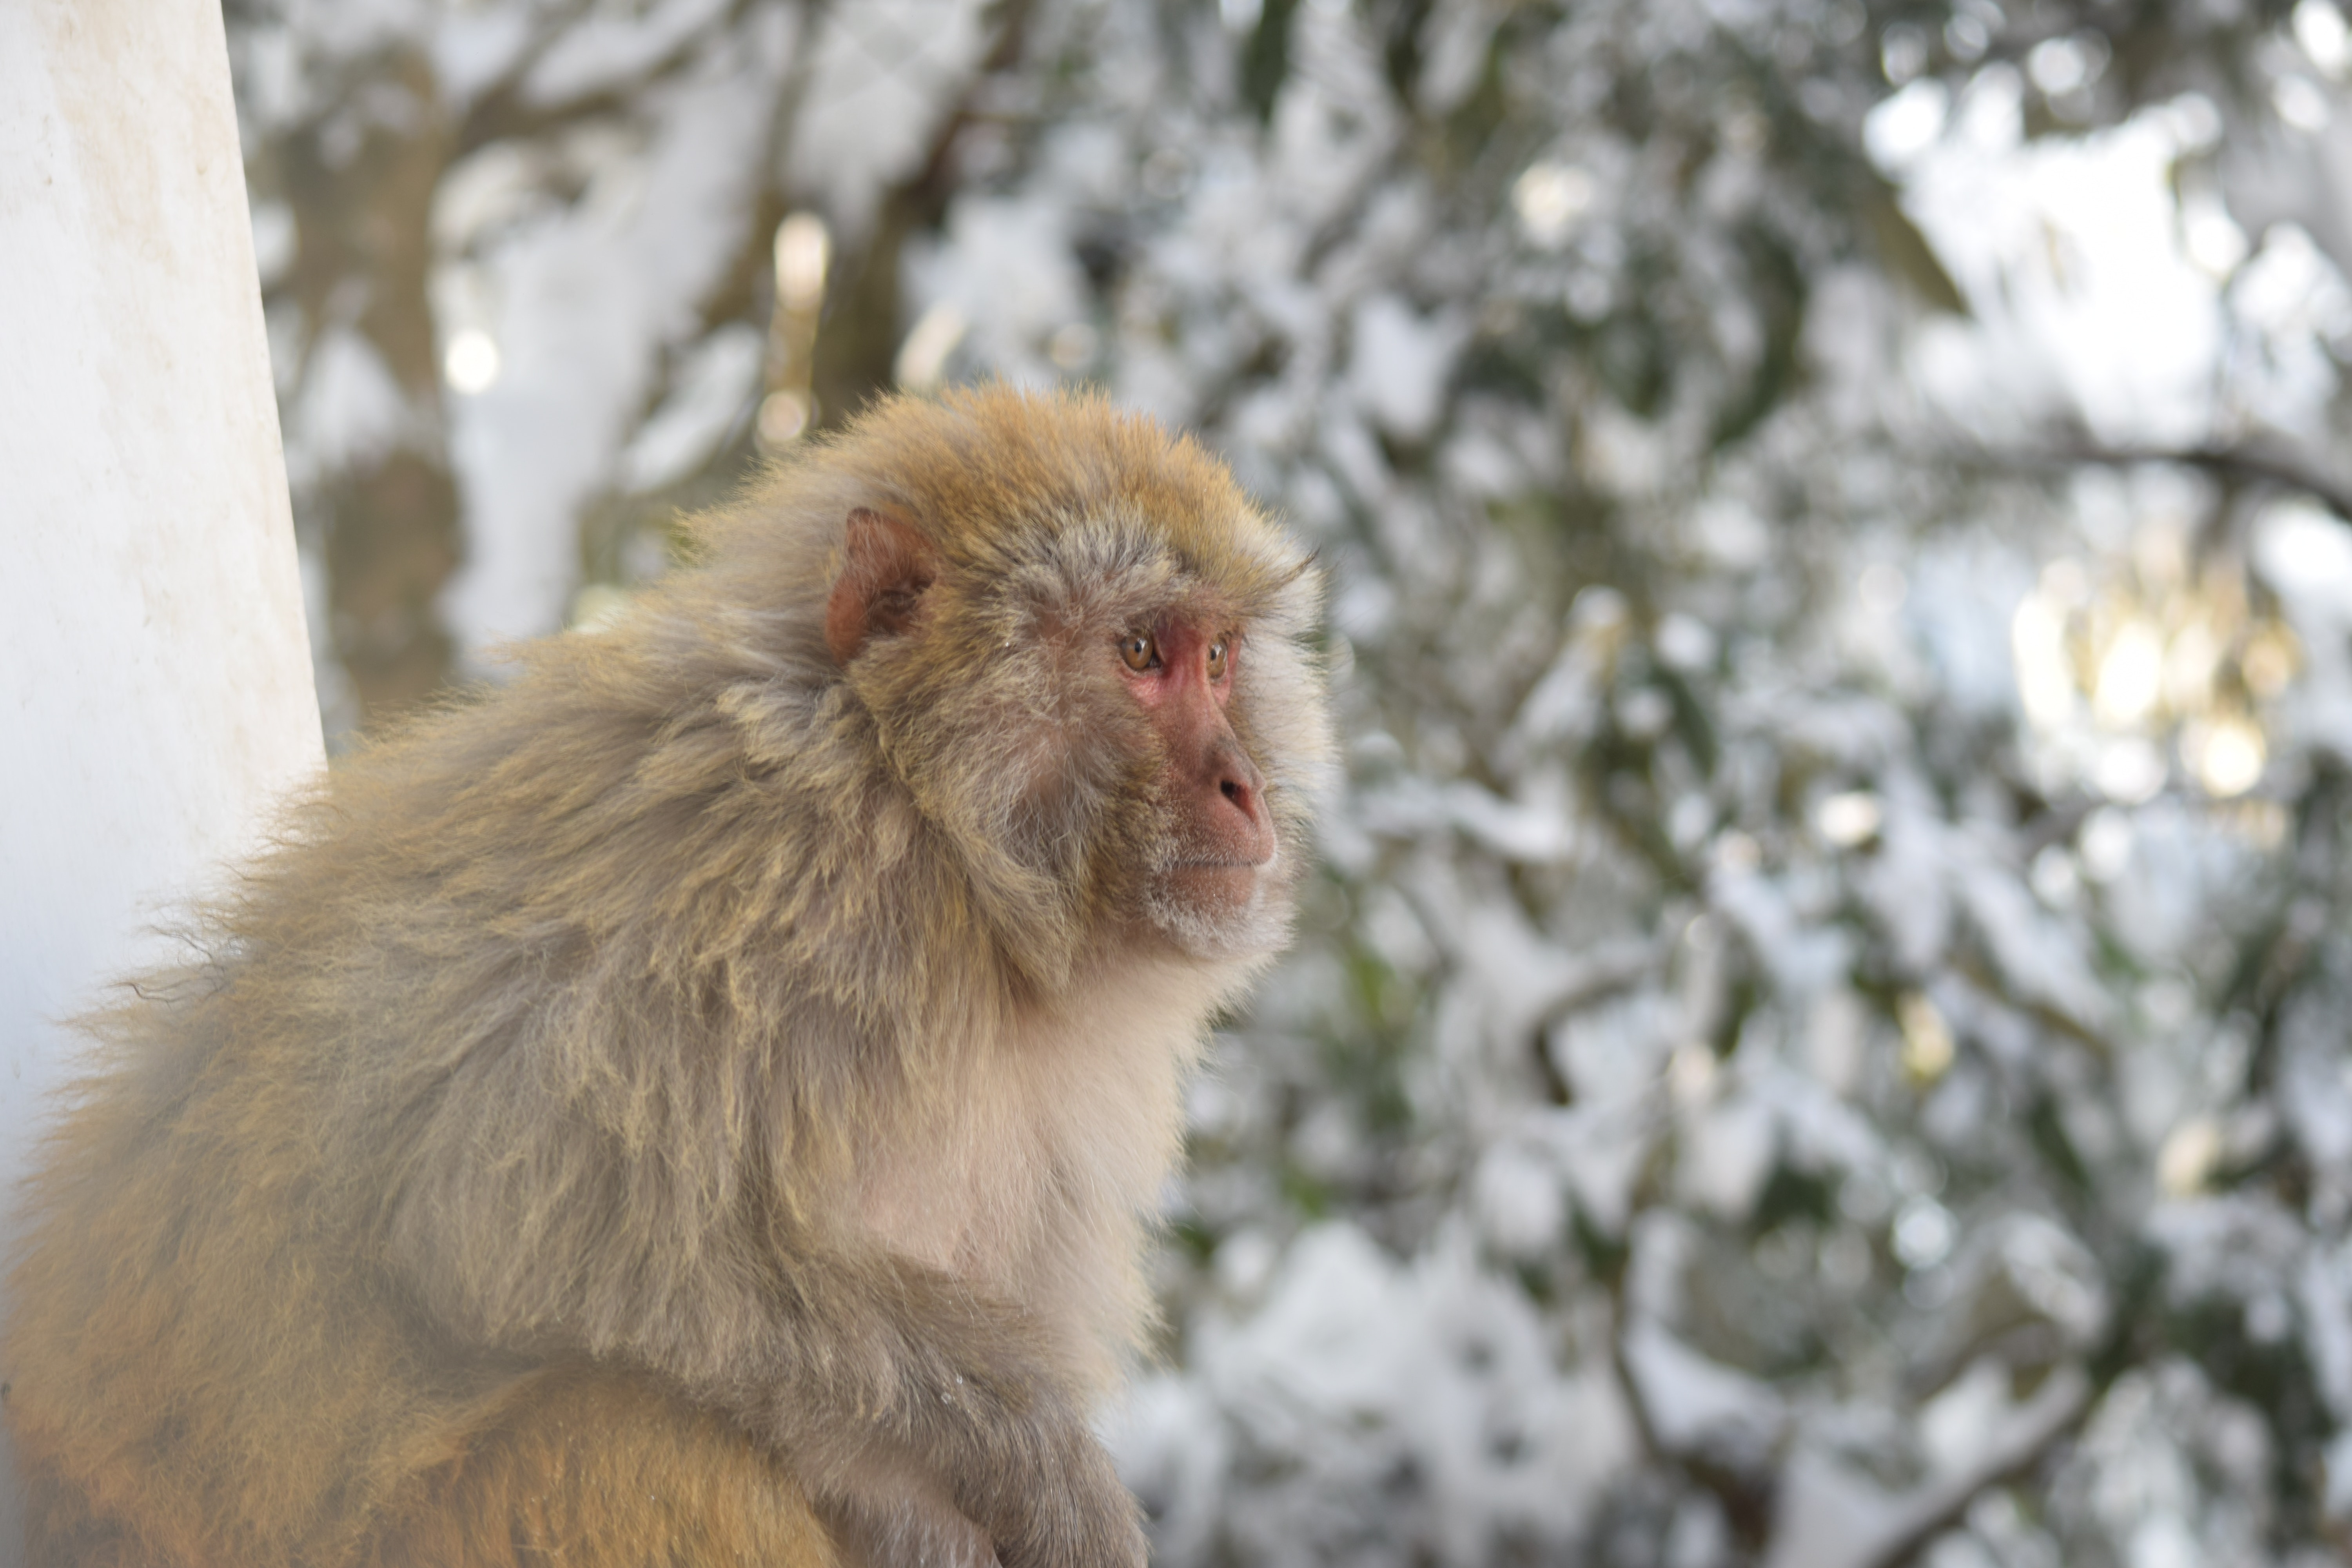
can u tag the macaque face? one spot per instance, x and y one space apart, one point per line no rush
1101 716
1220 843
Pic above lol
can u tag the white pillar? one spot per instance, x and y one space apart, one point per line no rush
155 691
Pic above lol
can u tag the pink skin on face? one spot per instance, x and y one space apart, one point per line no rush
1225 834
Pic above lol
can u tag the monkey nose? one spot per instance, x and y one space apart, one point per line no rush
1243 789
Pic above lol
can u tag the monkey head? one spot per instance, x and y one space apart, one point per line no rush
1083 653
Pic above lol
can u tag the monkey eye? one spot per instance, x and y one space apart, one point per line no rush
1220 652
1142 651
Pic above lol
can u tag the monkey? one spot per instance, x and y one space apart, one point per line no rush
702 1100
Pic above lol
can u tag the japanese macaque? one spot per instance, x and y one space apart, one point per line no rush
702 1101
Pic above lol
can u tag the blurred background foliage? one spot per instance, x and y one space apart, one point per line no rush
1822 1038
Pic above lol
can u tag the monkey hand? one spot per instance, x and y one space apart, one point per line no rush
885 1511
1075 1512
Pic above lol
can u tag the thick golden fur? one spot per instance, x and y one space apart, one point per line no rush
628 1104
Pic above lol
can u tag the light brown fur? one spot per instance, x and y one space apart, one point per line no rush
635 1110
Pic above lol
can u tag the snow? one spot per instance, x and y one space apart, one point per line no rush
474 47
1356 1371
2306 556
1693 1403
609 47
351 410
1519 1201
881 79
712 391
1012 273
1399 365
2065 250
581 302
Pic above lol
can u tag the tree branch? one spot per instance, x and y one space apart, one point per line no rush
2238 462
1829 1517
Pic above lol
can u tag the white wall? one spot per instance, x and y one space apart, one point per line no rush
155 689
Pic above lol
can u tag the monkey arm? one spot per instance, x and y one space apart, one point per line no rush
849 1363
880 1357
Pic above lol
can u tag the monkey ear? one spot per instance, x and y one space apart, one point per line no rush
885 566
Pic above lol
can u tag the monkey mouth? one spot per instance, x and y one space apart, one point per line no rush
1216 884
1220 865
